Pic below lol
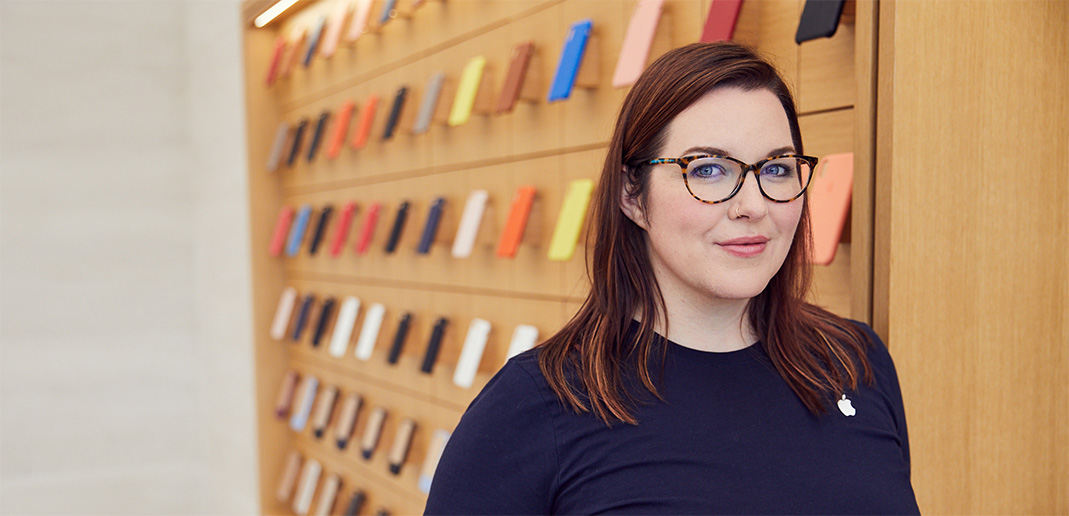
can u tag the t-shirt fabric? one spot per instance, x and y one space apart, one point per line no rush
729 437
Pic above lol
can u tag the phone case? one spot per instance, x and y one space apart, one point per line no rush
276 60
302 317
524 337
324 407
570 220
720 22
439 439
467 89
341 128
343 429
470 220
829 204
313 42
517 222
317 136
398 226
399 338
327 495
333 34
367 231
430 229
472 353
289 62
321 228
282 227
284 400
395 112
324 319
571 57
372 429
309 478
297 230
298 135
355 503
307 394
288 480
369 333
635 50
359 23
278 147
521 59
430 101
367 116
286 302
820 19
343 328
401 443
345 221
434 346
388 11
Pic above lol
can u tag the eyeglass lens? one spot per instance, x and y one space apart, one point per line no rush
714 179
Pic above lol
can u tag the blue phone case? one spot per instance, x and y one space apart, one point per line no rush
431 228
302 316
313 42
297 231
570 58
386 8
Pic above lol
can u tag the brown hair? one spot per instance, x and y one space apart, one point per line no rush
816 352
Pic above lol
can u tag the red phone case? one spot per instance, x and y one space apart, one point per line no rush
720 23
276 60
829 203
368 230
367 116
282 228
344 221
517 222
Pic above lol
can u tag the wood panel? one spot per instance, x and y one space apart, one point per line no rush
974 299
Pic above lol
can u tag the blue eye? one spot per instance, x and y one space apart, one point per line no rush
777 170
710 169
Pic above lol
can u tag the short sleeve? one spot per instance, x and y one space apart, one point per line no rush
502 457
886 377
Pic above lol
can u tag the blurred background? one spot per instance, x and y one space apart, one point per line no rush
126 379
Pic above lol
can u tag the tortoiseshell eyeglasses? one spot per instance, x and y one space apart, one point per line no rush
714 179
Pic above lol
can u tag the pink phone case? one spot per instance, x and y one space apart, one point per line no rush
829 203
282 228
636 47
334 27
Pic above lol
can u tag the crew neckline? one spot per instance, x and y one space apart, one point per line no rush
753 352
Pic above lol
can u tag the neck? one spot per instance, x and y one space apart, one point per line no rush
715 325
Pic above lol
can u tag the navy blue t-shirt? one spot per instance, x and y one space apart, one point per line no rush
730 437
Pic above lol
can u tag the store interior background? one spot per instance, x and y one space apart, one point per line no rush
126 360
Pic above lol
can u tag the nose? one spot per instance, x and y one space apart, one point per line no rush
749 202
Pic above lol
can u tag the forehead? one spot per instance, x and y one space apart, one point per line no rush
745 123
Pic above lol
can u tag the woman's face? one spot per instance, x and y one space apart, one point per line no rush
703 252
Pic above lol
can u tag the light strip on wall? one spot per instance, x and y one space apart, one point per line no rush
272 12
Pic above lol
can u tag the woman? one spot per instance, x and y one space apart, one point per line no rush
695 379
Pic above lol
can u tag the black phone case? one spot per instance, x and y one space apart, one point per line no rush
820 18
302 316
398 225
298 135
317 136
434 346
324 318
395 112
321 227
399 339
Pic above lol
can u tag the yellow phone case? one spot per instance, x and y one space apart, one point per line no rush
466 91
570 220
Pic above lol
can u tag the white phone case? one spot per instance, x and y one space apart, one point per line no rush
283 313
472 353
370 332
309 479
343 329
305 399
469 223
524 337
326 497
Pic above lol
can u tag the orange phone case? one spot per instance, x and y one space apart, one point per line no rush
517 222
829 203
341 129
363 131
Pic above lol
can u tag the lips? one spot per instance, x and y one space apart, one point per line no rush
744 247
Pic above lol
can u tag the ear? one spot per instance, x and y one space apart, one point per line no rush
629 204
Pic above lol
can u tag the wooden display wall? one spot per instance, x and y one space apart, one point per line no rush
541 144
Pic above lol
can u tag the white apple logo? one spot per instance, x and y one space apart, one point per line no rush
845 407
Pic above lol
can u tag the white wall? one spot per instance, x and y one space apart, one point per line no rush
125 355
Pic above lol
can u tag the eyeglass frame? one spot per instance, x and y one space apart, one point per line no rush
685 161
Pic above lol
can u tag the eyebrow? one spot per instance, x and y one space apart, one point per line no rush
722 152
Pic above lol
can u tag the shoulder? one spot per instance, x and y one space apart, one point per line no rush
877 353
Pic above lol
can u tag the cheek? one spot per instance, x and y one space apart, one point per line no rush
786 217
